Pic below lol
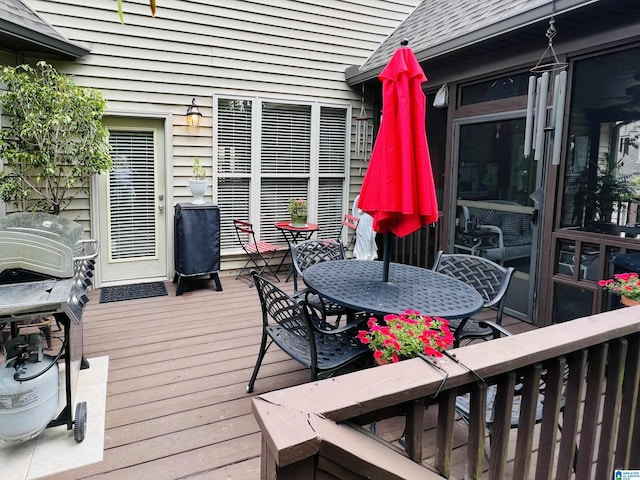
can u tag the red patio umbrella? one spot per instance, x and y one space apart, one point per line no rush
398 189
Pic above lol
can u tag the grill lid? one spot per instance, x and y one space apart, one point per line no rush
39 242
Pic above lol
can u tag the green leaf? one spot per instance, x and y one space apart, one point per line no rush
120 12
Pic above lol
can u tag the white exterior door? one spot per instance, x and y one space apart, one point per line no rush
132 204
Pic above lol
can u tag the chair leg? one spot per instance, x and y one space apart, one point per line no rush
260 269
241 272
263 350
268 267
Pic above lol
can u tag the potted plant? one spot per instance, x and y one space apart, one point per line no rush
602 193
626 286
298 211
405 335
198 182
53 141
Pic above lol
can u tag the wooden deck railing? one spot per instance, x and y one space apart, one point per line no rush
590 368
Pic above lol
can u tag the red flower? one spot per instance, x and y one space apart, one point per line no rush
405 335
624 284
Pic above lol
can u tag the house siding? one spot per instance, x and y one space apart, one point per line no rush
288 51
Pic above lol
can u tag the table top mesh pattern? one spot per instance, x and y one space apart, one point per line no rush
358 284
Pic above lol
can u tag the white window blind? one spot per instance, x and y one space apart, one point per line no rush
333 141
234 136
131 195
233 199
286 139
275 195
330 194
256 179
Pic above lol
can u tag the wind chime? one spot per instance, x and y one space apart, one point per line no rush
364 132
543 117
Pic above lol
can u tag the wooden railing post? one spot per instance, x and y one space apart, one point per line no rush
629 407
413 429
611 408
554 383
503 404
595 377
573 396
477 429
444 434
524 441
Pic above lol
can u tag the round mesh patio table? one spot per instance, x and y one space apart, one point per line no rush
358 285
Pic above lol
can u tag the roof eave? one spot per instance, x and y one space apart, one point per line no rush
49 43
355 76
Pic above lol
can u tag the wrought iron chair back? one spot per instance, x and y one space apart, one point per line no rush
310 252
488 278
287 322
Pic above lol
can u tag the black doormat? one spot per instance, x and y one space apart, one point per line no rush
133 291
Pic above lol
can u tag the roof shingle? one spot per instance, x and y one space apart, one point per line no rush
19 21
439 26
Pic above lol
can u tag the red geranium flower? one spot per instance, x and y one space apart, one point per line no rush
405 335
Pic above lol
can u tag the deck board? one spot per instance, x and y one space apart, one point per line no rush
176 395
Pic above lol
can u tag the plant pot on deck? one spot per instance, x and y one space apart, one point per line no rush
628 302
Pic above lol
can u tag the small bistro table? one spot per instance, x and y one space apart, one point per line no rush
358 285
293 235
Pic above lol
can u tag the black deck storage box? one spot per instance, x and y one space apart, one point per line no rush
197 242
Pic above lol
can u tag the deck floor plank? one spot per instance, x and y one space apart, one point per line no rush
177 405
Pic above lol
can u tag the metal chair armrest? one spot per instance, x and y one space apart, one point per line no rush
497 230
498 330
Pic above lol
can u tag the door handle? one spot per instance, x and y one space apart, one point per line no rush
161 207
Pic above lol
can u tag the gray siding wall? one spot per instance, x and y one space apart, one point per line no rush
286 50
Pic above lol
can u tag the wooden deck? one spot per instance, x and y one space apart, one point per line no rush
177 405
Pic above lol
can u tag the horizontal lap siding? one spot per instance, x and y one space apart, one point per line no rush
210 48
295 50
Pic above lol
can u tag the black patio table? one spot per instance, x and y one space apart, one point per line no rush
358 285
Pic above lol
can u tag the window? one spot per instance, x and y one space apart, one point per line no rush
506 87
603 155
270 152
132 206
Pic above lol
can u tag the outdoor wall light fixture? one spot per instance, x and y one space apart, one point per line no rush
193 114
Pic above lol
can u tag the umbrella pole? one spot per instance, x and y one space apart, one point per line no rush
385 258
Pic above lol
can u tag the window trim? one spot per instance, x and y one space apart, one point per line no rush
256 175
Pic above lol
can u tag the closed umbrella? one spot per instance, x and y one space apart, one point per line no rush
398 189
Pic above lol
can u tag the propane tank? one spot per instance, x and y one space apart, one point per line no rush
28 389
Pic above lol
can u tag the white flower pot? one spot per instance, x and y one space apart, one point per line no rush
198 189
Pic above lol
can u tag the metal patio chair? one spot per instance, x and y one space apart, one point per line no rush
350 224
287 322
308 253
255 249
488 278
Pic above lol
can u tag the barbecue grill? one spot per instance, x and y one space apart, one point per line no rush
45 269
